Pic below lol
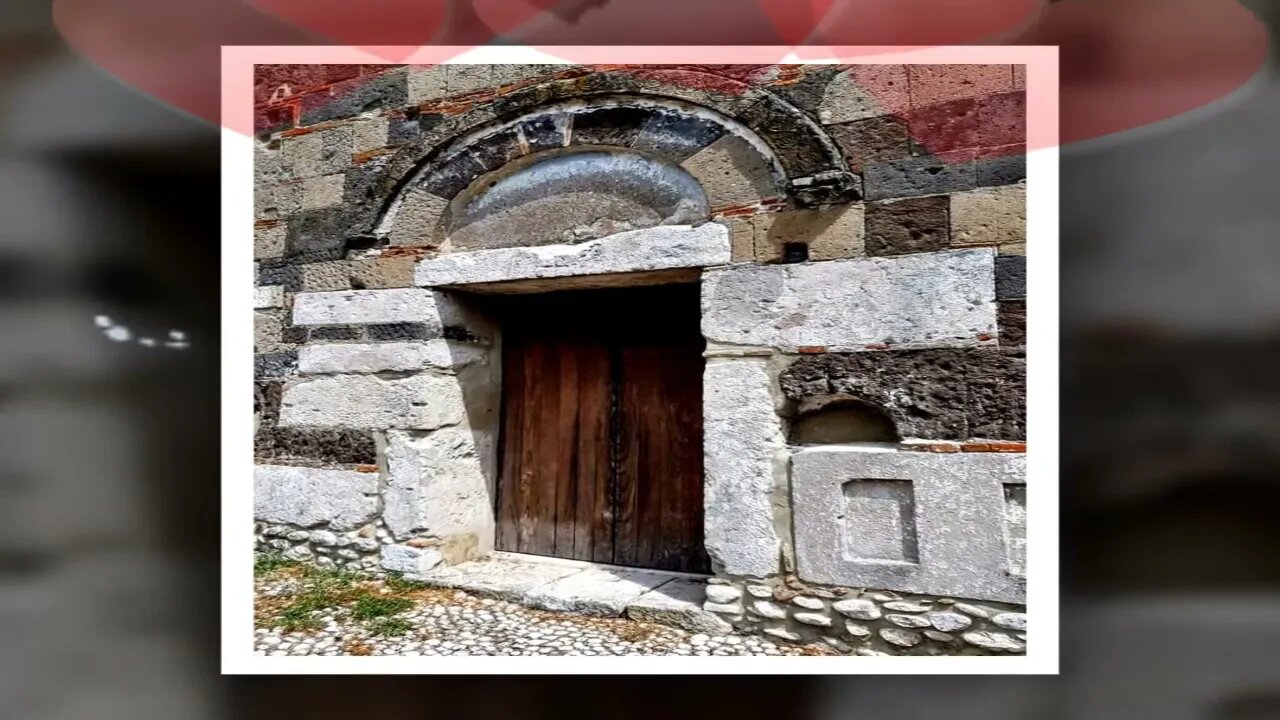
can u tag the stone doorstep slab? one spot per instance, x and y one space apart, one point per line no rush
666 598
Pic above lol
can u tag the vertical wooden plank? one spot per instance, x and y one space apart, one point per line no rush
507 510
545 434
626 461
534 359
565 476
593 455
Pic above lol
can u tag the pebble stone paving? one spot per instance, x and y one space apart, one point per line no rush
450 622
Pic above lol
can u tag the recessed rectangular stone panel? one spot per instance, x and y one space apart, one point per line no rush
960 510
347 307
341 499
423 402
1015 510
924 300
390 356
879 521
656 248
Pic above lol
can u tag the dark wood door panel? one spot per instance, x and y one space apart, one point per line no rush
602 429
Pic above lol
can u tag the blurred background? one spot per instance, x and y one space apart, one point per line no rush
109 314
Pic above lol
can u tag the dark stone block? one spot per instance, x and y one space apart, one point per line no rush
828 188
411 126
294 335
807 93
907 226
675 136
544 133
288 275
400 331
997 392
799 148
361 197
946 126
874 139
270 120
339 447
266 402
316 230
275 364
1011 277
493 151
336 332
616 126
387 90
909 177
451 176
1012 321
460 334
1002 170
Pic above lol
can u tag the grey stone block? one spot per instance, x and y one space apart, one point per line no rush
421 402
438 485
656 248
342 499
933 299
958 513
908 177
677 603
743 440
1011 277
1004 170
409 560
368 306
391 356
595 591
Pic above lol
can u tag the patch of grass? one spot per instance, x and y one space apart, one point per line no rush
321 590
388 626
368 607
267 563
398 583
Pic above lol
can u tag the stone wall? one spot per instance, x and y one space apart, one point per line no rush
859 233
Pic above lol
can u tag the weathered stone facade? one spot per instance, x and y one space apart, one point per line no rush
861 259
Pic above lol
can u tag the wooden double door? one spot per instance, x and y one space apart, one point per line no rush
602 427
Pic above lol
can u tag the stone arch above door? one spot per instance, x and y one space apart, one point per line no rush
729 143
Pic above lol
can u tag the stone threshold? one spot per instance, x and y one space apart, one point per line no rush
657 596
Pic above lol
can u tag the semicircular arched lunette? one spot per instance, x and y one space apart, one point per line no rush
731 162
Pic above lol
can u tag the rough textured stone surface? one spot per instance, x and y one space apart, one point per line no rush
638 250
913 176
770 610
955 519
901 638
268 242
438 484
409 560
992 641
815 619
1001 168
352 97
391 356
423 402
989 216
325 276
722 593
415 219
907 226
267 328
677 603
1011 621
595 591
732 171
935 299
938 83
341 499
828 234
1012 319
742 437
871 140
368 306
382 272
271 296
865 91
1011 277
940 394
318 153
857 608
426 82
322 192
498 577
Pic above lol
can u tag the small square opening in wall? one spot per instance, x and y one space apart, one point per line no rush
879 521
795 252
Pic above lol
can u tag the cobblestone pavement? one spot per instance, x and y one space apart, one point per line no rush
451 622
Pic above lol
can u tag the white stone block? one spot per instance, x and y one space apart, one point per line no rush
948 533
437 484
742 440
389 356
409 560
345 307
657 248
421 402
344 499
924 300
268 296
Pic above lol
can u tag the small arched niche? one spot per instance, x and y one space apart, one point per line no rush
570 196
840 419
